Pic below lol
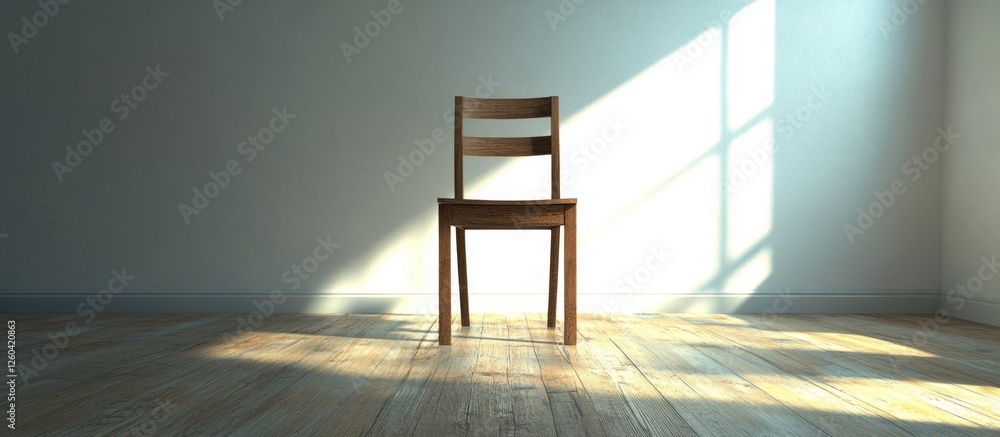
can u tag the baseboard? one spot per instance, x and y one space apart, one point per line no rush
978 310
790 302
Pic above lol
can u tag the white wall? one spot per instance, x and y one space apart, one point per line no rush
697 89
972 171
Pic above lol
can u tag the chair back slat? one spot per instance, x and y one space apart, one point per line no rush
506 109
522 146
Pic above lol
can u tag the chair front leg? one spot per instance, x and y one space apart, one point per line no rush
570 271
444 274
463 277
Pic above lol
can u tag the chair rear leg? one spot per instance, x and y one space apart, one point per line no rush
463 277
553 276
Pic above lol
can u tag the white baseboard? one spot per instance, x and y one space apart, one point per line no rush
978 310
790 302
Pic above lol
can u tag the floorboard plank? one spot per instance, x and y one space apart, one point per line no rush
113 401
301 407
509 374
572 407
726 403
610 401
840 368
653 410
446 411
400 414
838 413
530 405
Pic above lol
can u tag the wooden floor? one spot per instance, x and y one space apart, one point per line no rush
710 375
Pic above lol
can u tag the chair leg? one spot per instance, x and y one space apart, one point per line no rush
463 277
553 276
444 274
570 272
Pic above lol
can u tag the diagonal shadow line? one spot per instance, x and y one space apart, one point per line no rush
730 266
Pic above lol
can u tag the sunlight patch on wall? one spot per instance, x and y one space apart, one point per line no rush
650 162
403 263
750 62
749 274
750 189
749 196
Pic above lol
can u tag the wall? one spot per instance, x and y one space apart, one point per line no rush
720 151
970 229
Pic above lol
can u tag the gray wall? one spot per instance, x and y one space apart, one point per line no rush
664 105
970 229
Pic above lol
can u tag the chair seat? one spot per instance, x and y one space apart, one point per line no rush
507 214
451 201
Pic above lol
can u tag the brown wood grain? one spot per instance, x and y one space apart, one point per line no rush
553 276
463 276
444 274
554 148
507 146
569 270
506 217
459 136
507 202
506 109
640 374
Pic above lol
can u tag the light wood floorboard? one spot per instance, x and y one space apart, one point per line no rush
508 374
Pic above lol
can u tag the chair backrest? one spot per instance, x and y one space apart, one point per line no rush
506 109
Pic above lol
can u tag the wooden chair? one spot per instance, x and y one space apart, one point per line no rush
465 214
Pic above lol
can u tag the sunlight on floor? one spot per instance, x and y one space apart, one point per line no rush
729 367
691 379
